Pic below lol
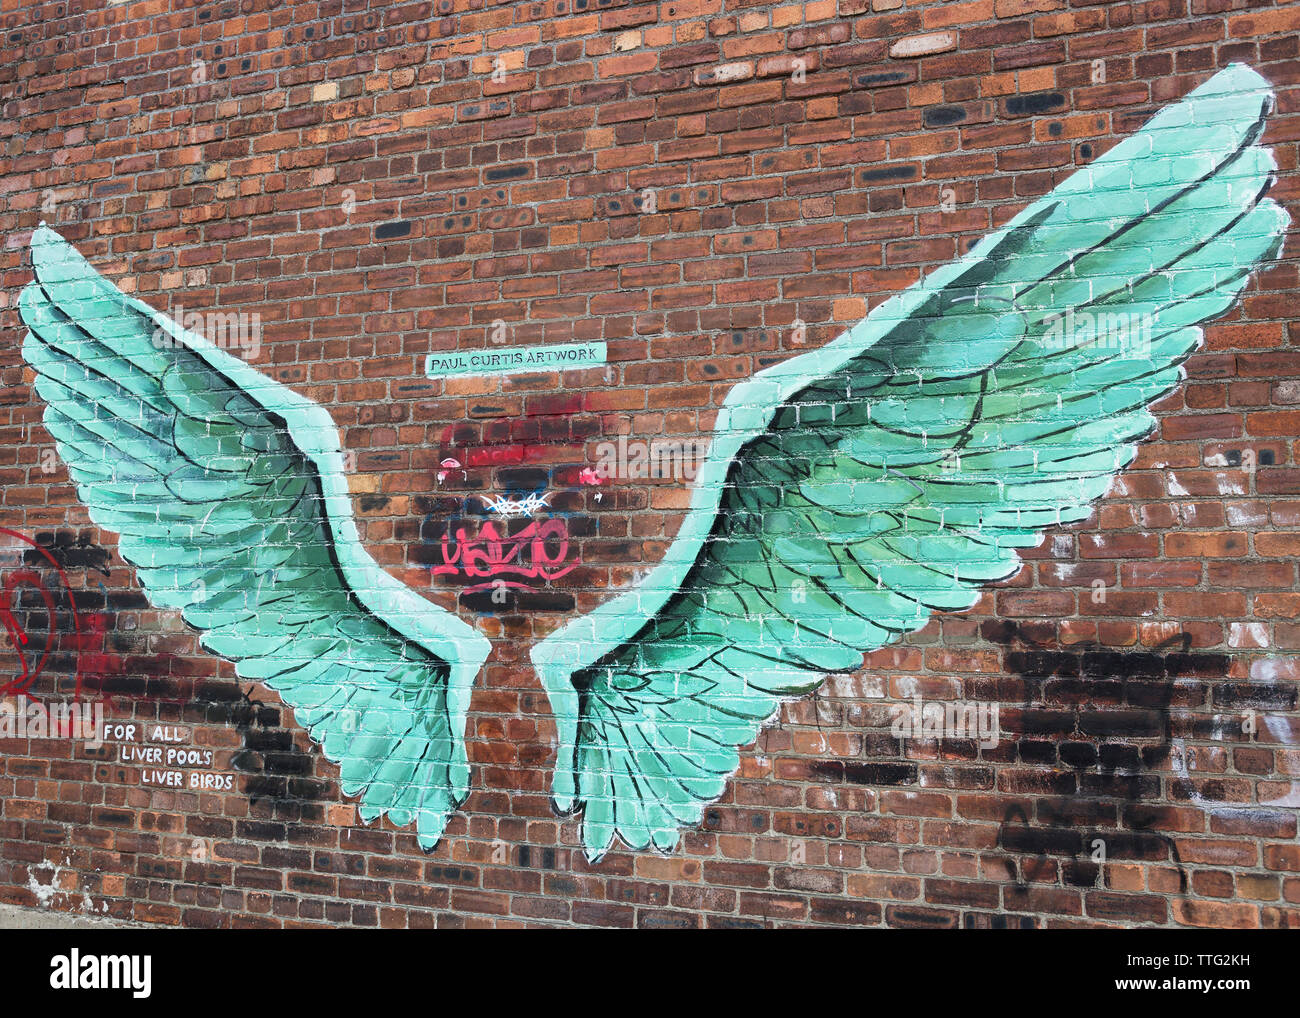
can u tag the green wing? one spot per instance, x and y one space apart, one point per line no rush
854 490
229 494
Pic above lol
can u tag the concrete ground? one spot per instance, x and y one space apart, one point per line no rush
15 917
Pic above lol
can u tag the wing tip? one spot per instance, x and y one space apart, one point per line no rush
55 261
1281 217
45 244
1236 78
596 844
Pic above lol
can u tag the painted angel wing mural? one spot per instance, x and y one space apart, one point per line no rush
854 490
228 491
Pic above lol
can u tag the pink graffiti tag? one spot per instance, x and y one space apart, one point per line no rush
491 554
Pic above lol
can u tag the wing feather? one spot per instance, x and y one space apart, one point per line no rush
228 492
854 491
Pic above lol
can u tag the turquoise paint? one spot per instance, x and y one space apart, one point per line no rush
896 470
229 493
886 476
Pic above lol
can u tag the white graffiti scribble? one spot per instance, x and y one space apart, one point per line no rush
1183 758
507 506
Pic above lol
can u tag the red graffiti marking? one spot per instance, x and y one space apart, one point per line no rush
21 684
97 662
496 456
491 554
18 638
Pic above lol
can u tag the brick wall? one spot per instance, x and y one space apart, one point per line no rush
708 187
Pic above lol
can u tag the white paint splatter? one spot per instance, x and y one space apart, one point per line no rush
44 893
